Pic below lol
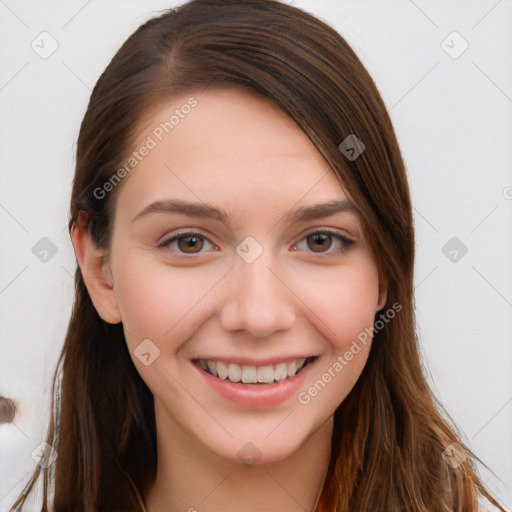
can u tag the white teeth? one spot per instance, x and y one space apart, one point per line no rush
222 370
265 374
280 372
212 367
292 369
234 372
249 374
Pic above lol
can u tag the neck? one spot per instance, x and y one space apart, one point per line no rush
191 478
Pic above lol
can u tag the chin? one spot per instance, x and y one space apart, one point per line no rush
261 448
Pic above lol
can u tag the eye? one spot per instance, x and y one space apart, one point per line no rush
321 241
186 243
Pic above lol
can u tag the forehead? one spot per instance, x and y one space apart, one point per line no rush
226 147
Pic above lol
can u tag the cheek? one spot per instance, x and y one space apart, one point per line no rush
158 301
344 300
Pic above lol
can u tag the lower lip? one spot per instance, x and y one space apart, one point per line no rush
257 395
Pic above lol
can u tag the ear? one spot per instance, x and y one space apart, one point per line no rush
383 292
96 273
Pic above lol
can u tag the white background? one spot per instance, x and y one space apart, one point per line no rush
454 125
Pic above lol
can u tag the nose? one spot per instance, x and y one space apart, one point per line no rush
257 300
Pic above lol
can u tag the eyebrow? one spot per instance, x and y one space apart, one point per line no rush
206 211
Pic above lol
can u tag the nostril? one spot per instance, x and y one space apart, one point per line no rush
7 410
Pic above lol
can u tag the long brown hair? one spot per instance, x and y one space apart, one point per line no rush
390 432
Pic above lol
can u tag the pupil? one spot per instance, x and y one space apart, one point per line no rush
190 242
320 239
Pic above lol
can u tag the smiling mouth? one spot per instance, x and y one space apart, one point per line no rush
249 374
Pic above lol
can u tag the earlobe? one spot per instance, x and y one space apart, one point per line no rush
97 275
383 294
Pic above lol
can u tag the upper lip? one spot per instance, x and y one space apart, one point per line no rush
254 362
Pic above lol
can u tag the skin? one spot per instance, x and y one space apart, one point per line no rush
238 152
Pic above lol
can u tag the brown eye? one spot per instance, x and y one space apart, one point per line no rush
190 244
187 243
319 242
325 243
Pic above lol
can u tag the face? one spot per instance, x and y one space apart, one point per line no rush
241 276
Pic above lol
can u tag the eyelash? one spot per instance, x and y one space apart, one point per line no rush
344 241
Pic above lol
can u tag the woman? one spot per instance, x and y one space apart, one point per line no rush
243 334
